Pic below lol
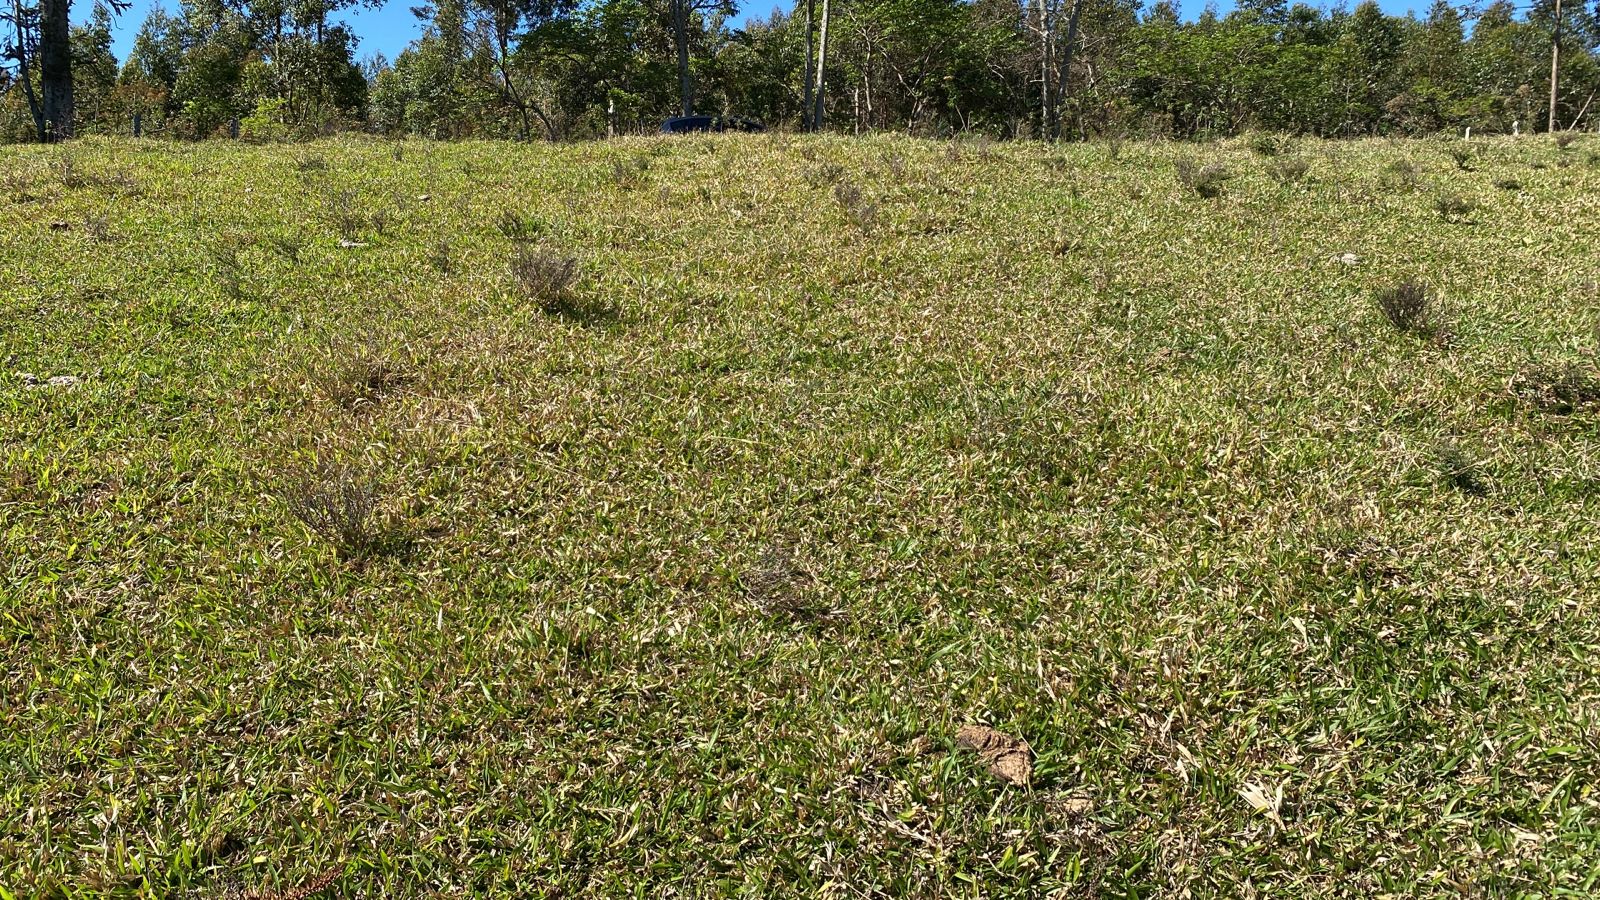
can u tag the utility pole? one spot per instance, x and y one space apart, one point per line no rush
1555 61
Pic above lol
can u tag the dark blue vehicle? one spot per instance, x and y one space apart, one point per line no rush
687 124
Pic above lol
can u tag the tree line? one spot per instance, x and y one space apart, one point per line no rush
572 69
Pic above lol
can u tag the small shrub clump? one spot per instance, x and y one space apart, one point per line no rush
344 212
1458 469
98 228
1560 389
442 257
629 175
364 380
1265 143
1565 140
1114 142
862 212
1288 170
518 228
544 276
1407 306
1206 180
1453 207
1461 155
339 504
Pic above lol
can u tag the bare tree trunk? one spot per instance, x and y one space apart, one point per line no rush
805 113
822 70
55 67
1044 73
1555 62
680 36
1066 65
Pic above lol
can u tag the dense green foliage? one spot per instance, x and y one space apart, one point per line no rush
577 68
703 488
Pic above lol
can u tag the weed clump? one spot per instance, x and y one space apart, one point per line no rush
827 173
1508 184
286 246
1565 140
1461 155
339 504
1453 207
1458 469
17 187
1288 170
364 380
1561 389
518 228
629 175
71 178
344 212
98 228
861 212
780 588
1264 143
1401 175
228 268
1206 180
1114 141
544 276
442 257
1407 306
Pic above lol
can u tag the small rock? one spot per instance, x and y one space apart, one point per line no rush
64 380
349 244
1009 759
424 197
1349 259
60 226
28 378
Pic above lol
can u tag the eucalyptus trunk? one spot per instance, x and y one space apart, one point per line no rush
822 70
680 36
55 68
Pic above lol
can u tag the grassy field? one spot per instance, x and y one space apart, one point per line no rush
680 579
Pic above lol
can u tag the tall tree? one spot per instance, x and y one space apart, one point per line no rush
686 18
55 67
819 103
94 68
23 52
506 30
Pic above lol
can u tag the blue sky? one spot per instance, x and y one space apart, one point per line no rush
390 29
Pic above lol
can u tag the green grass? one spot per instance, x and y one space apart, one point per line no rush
680 582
